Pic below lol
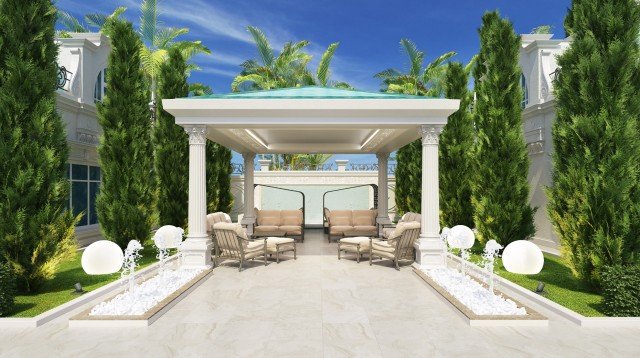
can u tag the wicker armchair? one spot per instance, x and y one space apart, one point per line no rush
230 242
398 246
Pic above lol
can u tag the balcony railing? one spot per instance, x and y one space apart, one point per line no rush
238 168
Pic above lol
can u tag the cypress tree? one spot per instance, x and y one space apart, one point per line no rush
500 190
36 230
409 177
125 203
456 145
594 203
172 146
213 169
225 197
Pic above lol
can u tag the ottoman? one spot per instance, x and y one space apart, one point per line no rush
276 245
356 245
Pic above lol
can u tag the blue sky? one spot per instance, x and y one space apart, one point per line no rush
369 31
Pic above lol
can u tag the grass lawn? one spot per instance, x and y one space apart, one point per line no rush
59 290
560 285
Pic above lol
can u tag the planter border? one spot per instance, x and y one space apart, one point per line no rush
531 319
84 320
47 316
562 311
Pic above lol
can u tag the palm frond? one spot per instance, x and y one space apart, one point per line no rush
70 23
188 49
152 60
343 85
249 66
254 78
98 21
387 74
149 13
416 57
190 68
470 65
264 48
323 67
199 89
164 37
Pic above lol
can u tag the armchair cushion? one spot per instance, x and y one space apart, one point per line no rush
239 230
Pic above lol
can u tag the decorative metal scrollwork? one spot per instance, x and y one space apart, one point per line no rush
64 77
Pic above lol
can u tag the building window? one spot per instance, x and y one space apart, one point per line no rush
525 91
85 186
100 89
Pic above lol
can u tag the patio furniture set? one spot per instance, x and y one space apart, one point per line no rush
231 242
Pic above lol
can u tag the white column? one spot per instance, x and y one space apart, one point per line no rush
430 249
249 217
196 250
383 189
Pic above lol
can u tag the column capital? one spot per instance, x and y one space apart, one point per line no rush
382 155
431 133
249 156
197 134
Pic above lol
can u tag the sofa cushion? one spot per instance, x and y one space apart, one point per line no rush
340 229
291 221
366 228
291 229
268 217
265 228
362 220
340 218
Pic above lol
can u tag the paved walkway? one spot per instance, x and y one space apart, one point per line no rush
317 306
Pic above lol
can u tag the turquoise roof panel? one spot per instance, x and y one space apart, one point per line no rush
310 92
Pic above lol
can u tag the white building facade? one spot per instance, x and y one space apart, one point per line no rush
538 60
82 60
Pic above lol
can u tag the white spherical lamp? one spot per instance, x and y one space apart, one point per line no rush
168 237
523 257
461 237
102 257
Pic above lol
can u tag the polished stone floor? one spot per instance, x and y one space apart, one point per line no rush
317 306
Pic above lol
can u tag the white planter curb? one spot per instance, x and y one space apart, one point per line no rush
554 307
39 320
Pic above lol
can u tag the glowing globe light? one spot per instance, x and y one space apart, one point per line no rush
168 237
523 257
461 237
102 257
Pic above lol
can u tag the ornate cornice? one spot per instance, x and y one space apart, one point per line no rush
378 139
246 139
197 134
431 133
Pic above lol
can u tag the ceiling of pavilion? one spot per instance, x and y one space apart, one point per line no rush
311 119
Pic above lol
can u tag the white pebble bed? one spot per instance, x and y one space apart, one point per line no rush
472 294
146 295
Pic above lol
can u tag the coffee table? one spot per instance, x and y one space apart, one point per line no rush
356 244
277 245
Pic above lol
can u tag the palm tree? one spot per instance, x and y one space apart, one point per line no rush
427 81
157 40
199 89
287 69
92 22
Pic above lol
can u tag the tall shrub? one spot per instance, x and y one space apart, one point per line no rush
36 230
594 203
7 289
409 177
500 187
456 145
212 168
125 203
225 197
171 145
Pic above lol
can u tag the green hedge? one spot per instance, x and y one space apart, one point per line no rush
621 290
7 289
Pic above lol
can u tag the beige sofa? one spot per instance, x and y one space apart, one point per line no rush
406 218
343 223
289 221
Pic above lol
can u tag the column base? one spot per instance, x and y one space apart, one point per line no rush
248 222
430 251
196 252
